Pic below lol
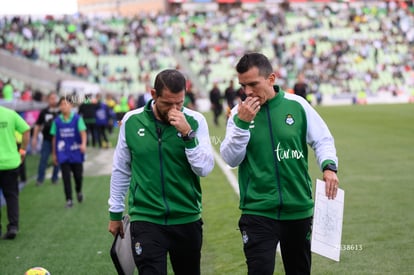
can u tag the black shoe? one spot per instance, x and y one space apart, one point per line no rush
10 235
69 204
80 197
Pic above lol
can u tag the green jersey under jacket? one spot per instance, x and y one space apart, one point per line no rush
272 155
161 170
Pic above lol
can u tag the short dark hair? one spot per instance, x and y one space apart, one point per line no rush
250 60
68 99
51 93
170 79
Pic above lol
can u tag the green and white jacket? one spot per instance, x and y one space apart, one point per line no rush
160 169
272 155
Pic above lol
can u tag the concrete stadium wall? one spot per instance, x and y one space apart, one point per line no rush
38 76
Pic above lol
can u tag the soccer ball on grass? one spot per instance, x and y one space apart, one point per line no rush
37 271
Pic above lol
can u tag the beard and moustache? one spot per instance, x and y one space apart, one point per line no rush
162 116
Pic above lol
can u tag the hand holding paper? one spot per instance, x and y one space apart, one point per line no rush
327 222
331 184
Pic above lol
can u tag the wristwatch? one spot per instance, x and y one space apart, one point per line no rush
330 166
191 135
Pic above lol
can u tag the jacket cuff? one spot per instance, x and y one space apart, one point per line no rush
326 162
241 123
192 143
115 216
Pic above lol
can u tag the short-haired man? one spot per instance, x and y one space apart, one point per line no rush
163 149
267 137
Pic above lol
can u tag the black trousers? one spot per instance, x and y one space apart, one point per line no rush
92 133
217 112
151 242
101 134
22 171
261 236
10 186
77 170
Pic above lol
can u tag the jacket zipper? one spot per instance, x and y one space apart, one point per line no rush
269 120
167 212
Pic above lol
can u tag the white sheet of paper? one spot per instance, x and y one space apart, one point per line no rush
327 223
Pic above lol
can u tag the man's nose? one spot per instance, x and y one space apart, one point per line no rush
174 107
248 91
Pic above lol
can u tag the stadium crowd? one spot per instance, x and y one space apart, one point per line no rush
362 48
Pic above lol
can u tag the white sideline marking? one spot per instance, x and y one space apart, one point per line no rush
231 178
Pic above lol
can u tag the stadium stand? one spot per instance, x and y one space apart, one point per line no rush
361 49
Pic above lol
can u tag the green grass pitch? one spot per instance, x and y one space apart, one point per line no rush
376 169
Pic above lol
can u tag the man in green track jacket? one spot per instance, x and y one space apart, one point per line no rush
163 149
267 137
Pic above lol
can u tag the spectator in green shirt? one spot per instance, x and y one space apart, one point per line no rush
8 91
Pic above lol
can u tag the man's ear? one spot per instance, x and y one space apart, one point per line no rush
154 94
272 78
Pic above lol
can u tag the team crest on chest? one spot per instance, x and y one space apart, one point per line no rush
289 119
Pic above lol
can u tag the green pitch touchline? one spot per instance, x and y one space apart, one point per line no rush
231 178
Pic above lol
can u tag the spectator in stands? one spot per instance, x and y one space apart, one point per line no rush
131 102
26 94
301 87
313 51
216 102
145 97
205 71
32 54
69 147
126 77
8 91
37 96
42 125
10 160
